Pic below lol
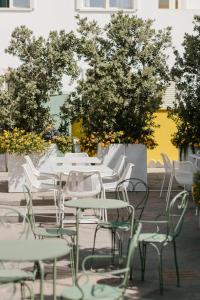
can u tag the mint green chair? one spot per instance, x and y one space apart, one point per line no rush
13 272
43 232
122 222
51 232
159 240
89 291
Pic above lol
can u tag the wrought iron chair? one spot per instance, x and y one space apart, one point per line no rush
122 223
13 228
88 291
48 232
158 240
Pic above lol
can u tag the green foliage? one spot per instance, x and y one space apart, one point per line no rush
89 143
42 65
196 187
64 143
186 74
21 142
125 79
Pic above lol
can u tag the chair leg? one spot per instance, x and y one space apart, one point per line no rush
160 270
22 290
162 185
176 264
143 251
95 235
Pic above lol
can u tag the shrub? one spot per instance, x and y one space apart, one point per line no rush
19 141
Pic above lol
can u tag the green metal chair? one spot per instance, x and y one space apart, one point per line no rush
122 222
88 291
45 232
159 240
13 272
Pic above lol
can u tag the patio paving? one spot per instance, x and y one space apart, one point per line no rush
188 247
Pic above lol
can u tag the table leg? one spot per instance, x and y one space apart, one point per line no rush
54 279
41 267
77 243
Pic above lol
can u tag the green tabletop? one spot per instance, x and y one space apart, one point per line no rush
95 203
32 250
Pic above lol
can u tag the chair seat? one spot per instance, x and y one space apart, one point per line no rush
123 225
14 275
53 232
92 292
154 237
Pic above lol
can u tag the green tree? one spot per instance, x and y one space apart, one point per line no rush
125 79
43 62
186 74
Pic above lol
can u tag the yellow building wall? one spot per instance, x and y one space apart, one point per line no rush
163 137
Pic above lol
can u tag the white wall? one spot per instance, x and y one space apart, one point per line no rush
55 15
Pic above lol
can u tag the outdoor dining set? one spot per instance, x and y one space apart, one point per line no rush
79 182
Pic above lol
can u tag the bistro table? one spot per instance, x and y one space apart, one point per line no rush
104 170
34 251
94 203
87 160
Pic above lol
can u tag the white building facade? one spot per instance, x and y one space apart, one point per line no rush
44 15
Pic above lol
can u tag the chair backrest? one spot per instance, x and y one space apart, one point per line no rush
166 162
31 165
176 213
119 167
14 224
30 177
183 172
83 184
139 192
127 172
133 243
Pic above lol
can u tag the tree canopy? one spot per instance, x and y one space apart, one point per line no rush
126 76
186 74
29 86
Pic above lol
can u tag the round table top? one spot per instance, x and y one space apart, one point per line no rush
93 203
32 250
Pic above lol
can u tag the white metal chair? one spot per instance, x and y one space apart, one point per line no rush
182 172
84 185
168 169
36 185
111 186
118 170
37 173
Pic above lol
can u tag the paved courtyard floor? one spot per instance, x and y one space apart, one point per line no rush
188 245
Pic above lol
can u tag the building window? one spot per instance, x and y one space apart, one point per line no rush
121 4
93 3
16 4
106 4
163 3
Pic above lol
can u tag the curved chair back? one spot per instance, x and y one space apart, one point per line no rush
166 162
176 213
83 184
119 167
31 179
183 172
31 165
139 192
